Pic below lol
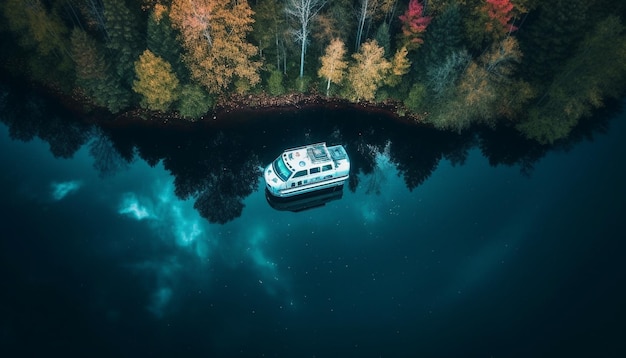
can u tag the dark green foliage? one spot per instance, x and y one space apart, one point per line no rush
596 70
194 101
551 35
94 77
44 40
444 36
384 38
416 97
269 31
275 83
161 40
124 38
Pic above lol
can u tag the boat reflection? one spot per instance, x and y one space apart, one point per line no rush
304 201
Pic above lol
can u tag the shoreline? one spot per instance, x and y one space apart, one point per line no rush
263 103
225 107
234 105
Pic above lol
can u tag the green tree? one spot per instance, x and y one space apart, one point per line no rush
43 32
444 36
275 83
415 99
94 77
156 82
194 101
269 29
551 36
162 41
124 38
595 71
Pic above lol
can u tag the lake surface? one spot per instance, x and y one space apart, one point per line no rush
150 240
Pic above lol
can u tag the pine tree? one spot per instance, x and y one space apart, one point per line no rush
162 41
124 38
444 36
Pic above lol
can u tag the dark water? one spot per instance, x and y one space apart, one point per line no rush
138 240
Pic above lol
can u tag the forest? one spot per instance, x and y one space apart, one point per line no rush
538 66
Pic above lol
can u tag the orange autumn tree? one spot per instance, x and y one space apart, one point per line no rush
213 34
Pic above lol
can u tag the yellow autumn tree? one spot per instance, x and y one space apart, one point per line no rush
368 72
333 63
400 65
213 34
155 82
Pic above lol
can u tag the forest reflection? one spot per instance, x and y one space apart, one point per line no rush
217 163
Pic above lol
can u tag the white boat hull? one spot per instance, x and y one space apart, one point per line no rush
308 188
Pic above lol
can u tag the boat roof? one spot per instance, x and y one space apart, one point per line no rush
308 156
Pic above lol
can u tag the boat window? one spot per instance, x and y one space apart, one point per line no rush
280 168
327 167
315 170
300 174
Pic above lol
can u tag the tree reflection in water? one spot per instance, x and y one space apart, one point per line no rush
218 163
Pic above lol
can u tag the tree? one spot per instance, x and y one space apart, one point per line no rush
595 71
275 83
194 101
439 79
383 37
333 63
365 12
269 29
501 12
93 76
124 38
44 32
369 71
161 38
552 37
414 24
400 65
444 37
485 87
155 81
214 35
303 11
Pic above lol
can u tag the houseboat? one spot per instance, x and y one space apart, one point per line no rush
307 169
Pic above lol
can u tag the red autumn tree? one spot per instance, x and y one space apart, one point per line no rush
501 12
414 24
